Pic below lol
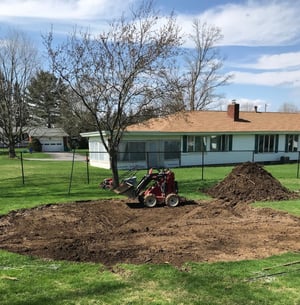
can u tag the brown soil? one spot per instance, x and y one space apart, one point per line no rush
249 182
119 231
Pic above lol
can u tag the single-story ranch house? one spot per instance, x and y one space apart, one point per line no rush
204 137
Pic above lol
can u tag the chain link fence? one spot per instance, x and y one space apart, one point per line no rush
178 159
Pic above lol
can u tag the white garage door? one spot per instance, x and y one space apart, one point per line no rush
52 144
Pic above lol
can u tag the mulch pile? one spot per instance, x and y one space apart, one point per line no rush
249 182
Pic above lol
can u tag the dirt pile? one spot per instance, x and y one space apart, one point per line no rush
249 182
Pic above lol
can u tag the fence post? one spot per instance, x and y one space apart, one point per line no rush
202 165
71 176
22 169
87 167
298 164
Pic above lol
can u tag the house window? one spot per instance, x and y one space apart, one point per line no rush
194 143
132 151
266 143
291 142
172 150
221 143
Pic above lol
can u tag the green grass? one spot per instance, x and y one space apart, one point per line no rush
47 182
291 206
26 154
26 280
50 182
287 175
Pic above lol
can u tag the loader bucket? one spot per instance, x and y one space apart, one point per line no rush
125 189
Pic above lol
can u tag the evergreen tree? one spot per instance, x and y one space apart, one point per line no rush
44 96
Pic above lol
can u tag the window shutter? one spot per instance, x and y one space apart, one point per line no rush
184 143
230 143
223 143
276 143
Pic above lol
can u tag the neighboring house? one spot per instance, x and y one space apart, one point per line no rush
52 139
205 137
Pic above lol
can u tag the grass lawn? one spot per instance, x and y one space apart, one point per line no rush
27 280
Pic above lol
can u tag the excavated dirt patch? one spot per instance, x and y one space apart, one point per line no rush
120 231
113 232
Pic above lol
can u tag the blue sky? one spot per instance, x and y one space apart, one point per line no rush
261 37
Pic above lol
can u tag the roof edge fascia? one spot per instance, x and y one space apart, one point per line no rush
177 133
92 134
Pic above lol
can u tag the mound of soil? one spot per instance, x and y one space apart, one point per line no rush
249 182
111 232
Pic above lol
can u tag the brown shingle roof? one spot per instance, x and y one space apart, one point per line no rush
220 122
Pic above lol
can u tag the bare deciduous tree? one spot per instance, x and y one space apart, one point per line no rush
288 107
17 64
115 72
203 74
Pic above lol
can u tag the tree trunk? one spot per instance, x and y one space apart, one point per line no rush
114 167
11 151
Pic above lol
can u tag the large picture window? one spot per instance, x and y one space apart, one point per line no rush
132 151
194 143
221 143
291 142
266 143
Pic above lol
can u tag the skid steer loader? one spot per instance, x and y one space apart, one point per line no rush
154 188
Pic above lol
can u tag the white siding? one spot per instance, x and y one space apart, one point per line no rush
97 154
243 147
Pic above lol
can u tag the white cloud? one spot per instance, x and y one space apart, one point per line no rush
253 23
274 78
273 61
67 9
247 104
249 23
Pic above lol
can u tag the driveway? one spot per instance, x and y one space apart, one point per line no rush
66 156
60 156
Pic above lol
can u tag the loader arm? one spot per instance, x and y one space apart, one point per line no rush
145 181
130 191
